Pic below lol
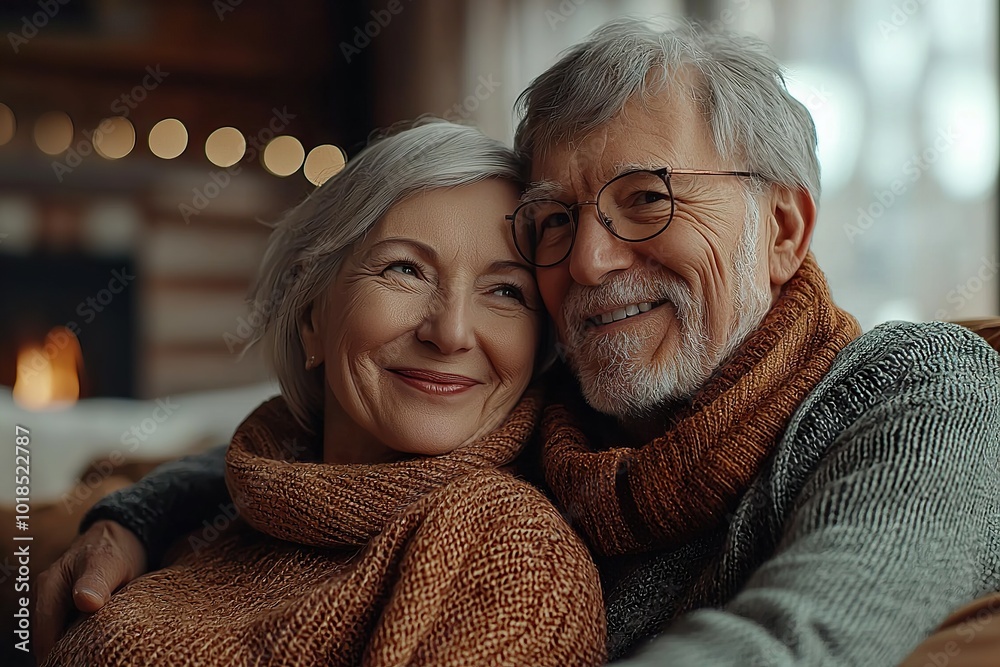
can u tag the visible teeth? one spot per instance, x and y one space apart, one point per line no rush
622 313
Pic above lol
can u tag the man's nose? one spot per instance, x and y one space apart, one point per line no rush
596 252
449 327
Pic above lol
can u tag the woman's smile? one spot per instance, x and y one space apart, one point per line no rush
433 382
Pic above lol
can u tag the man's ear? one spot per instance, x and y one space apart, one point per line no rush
791 218
311 333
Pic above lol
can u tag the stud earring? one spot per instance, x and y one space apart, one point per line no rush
311 362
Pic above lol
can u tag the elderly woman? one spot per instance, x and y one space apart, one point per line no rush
376 526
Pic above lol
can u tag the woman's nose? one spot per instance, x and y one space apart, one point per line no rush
449 326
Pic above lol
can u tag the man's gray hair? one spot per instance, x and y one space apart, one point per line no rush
310 242
739 87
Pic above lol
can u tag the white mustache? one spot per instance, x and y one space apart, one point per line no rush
621 290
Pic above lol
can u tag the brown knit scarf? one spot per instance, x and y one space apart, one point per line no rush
442 561
327 505
684 483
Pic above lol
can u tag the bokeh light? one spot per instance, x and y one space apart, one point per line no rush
323 162
960 136
53 132
283 155
8 124
168 138
225 147
114 138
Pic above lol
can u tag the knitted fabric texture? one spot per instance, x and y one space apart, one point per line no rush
684 483
875 518
429 561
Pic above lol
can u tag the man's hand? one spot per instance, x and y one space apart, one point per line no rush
98 562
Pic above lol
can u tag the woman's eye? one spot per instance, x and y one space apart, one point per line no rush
510 292
405 269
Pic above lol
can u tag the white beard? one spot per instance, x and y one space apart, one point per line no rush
614 378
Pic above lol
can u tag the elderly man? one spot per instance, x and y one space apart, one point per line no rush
760 483
810 495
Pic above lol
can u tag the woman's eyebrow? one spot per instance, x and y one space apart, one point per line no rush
500 265
419 246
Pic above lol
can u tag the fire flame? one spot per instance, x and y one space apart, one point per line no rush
48 375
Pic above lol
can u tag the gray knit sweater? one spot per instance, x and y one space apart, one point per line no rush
877 515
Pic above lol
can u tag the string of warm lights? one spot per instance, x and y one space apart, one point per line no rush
115 137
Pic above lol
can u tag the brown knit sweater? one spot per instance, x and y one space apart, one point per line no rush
428 561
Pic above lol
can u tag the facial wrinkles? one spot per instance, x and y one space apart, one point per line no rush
614 376
607 363
581 179
710 218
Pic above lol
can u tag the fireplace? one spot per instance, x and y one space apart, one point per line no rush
52 298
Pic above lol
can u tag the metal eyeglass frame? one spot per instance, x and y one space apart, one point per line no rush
573 210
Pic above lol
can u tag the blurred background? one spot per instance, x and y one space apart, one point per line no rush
144 143
148 140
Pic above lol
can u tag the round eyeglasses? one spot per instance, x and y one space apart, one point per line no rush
634 206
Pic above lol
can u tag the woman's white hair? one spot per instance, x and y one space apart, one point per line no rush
739 88
309 243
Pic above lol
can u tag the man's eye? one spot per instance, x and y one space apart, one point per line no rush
553 221
647 197
401 267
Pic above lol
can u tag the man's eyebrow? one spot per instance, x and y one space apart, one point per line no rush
622 167
542 190
553 190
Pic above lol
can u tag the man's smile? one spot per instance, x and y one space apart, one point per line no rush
619 313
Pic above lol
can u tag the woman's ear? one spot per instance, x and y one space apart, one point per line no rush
311 333
791 217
